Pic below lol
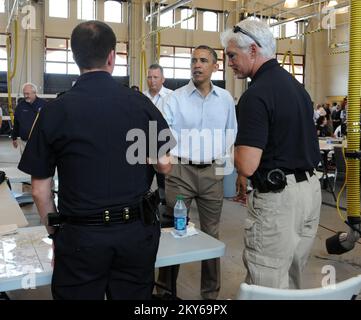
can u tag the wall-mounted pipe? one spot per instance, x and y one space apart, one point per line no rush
167 8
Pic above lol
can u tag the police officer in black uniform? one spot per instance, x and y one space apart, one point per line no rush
277 147
108 234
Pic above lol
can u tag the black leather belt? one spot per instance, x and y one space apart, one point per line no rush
299 175
126 215
193 164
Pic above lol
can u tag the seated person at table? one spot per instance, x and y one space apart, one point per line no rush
340 131
322 128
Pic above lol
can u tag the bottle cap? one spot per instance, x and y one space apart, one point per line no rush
179 197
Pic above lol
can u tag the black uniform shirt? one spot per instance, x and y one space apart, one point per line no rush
25 114
275 114
83 134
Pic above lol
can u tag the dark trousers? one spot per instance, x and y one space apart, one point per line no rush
116 261
160 180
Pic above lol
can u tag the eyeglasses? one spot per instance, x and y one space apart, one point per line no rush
239 29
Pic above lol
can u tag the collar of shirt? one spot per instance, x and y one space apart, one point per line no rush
263 68
93 75
191 88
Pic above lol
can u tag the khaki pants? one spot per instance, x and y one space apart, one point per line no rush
279 233
206 188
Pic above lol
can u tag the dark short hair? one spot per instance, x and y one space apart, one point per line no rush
91 43
156 66
210 50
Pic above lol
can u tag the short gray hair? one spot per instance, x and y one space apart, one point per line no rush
32 85
259 30
156 66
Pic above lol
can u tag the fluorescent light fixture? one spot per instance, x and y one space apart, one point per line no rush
291 4
332 3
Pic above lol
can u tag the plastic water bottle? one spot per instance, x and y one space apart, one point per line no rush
180 216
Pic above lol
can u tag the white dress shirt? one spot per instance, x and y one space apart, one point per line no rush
159 99
205 128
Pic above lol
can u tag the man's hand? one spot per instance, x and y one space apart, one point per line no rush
15 143
241 184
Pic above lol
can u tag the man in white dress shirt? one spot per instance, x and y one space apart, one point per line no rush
157 93
203 114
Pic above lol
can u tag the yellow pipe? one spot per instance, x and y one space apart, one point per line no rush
10 74
353 112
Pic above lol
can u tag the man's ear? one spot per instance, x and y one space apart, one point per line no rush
253 50
215 67
111 58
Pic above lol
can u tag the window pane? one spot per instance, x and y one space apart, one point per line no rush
120 59
58 8
120 71
182 63
166 62
113 11
3 65
168 73
55 56
210 21
219 54
291 29
2 5
299 69
182 74
3 54
73 68
166 51
217 75
121 47
299 78
70 56
2 40
86 10
55 43
51 67
298 59
287 67
188 24
183 52
166 19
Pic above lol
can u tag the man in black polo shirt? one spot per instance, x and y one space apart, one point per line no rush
277 148
25 114
109 233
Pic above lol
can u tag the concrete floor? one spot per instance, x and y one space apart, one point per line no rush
231 233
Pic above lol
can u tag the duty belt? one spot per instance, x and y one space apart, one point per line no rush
125 215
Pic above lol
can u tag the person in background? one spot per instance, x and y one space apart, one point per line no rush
157 93
277 147
25 113
322 127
